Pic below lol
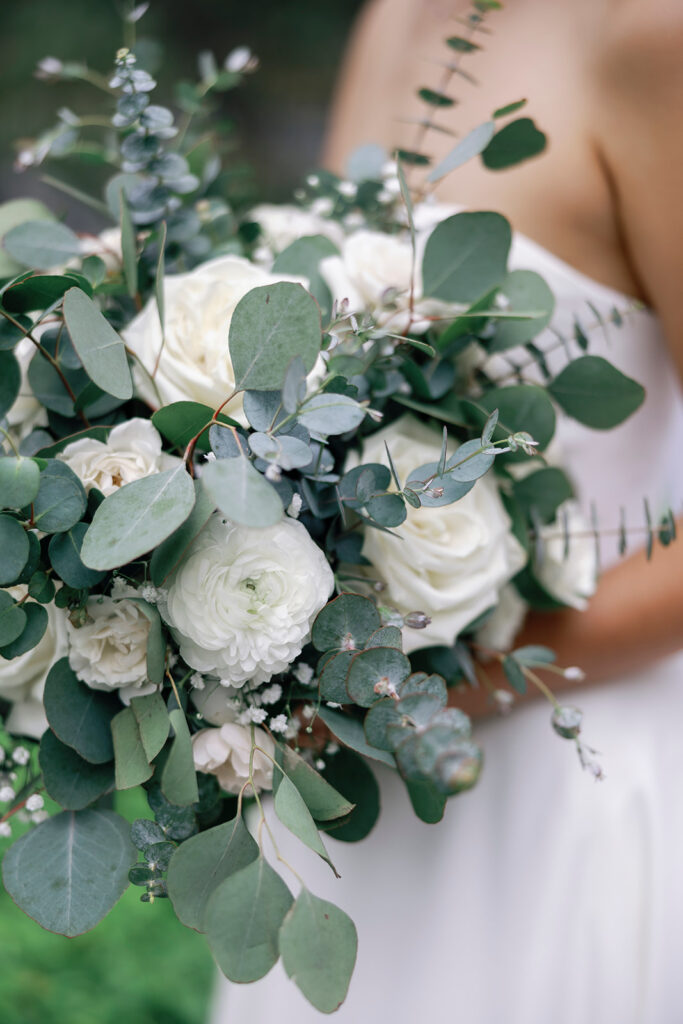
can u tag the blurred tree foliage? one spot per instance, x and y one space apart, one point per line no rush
280 113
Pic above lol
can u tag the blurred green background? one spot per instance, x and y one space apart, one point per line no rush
141 965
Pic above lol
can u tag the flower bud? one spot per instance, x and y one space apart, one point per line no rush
566 721
574 673
416 620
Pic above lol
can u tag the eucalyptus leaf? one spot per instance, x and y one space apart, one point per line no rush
101 350
10 381
595 393
13 619
132 765
345 623
78 715
201 863
14 549
69 871
292 811
349 731
525 291
329 413
466 256
180 422
243 920
13 213
350 773
269 327
153 721
323 801
302 258
138 517
41 244
472 145
469 462
517 141
32 633
71 781
374 673
242 493
318 944
170 553
65 557
178 777
61 500
19 481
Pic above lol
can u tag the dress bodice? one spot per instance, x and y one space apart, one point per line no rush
640 459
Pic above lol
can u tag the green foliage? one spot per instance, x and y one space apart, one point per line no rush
100 349
595 393
345 623
466 256
69 871
132 765
65 557
472 145
137 517
32 633
69 779
292 811
10 381
41 244
169 554
78 715
180 422
517 141
14 549
13 619
178 778
242 493
302 258
19 481
61 500
525 291
540 494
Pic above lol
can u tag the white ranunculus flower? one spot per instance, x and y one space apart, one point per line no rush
373 272
194 361
132 451
110 651
225 753
242 602
504 623
569 575
450 562
22 679
26 413
283 224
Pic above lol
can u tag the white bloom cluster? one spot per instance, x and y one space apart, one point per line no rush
132 451
281 225
242 602
226 752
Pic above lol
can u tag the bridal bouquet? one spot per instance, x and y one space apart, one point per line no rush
265 507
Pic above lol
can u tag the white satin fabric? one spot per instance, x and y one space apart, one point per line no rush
543 897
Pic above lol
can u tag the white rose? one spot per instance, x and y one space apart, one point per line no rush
570 575
132 451
194 362
110 651
450 562
282 225
505 621
374 273
242 602
26 413
226 753
22 679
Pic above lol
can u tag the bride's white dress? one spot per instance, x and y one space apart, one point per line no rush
543 897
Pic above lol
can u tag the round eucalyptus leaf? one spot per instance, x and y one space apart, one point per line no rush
10 381
466 256
318 943
468 463
61 499
19 481
14 549
595 393
386 636
421 682
353 777
333 677
435 741
520 407
541 493
33 559
352 486
79 716
519 140
458 768
345 623
40 586
242 493
100 348
387 509
32 633
284 451
243 920
302 258
65 557
441 490
11 333
202 862
330 413
69 871
41 244
146 833
12 213
269 327
526 292
375 673
380 715
71 781
138 517
420 708
263 409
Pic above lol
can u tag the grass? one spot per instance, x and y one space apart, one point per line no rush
139 966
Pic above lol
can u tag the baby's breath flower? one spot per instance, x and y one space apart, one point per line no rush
252 714
35 802
5 829
303 674
6 794
271 694
197 681
21 755
279 723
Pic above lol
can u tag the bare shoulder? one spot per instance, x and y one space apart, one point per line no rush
639 53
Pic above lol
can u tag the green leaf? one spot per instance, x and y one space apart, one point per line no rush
65 557
323 801
466 256
333 677
350 773
302 258
69 872
61 500
318 944
269 327
469 463
243 919
19 481
41 244
101 350
435 99
70 780
520 407
13 619
10 381
132 766
13 213
534 654
428 803
79 716
469 147
37 291
543 492
517 141
154 724
170 553
525 291
331 414
242 493
349 731
595 393
514 674
202 862
14 549
292 811
128 246
372 671
178 777
347 622
156 644
510 108
137 517
32 633
382 714
179 422
11 333
461 45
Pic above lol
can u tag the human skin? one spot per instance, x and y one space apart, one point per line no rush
604 79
